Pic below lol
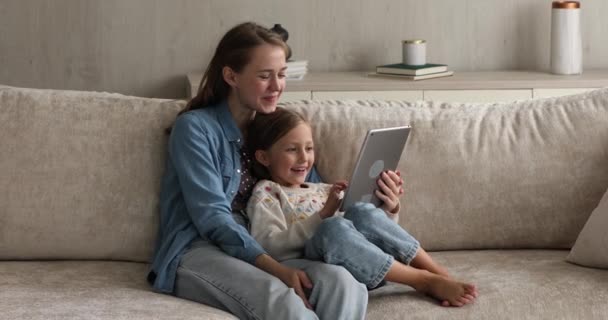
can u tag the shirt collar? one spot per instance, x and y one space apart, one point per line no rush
228 124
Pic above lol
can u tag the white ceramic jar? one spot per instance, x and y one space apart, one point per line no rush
414 52
566 43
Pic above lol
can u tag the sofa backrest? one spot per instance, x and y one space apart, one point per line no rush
80 171
80 174
511 175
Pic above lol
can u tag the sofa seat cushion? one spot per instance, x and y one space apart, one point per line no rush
513 284
89 290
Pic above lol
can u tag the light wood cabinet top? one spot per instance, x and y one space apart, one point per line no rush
465 80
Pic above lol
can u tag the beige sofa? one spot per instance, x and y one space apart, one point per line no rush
497 192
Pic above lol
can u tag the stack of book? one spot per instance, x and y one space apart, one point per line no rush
296 69
404 71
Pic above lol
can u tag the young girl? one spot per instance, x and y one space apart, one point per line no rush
204 252
291 218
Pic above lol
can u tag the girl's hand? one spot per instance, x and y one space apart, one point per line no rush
390 188
333 199
293 278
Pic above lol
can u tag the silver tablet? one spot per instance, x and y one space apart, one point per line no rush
381 151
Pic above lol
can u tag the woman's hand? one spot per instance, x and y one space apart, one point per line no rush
293 278
298 280
333 199
390 188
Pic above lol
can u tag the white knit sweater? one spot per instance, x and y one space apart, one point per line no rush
283 218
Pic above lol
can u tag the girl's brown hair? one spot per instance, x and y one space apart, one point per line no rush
234 51
266 129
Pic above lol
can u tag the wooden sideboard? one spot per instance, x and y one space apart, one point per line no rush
485 86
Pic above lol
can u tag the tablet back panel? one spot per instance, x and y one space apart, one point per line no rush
381 151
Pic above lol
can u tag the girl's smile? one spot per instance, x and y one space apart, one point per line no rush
290 159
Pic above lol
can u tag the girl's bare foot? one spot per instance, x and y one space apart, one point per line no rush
445 289
450 292
423 261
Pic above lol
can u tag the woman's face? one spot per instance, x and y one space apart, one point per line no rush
260 84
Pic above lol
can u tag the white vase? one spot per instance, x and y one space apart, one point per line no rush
566 43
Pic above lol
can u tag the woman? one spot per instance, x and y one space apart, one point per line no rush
204 251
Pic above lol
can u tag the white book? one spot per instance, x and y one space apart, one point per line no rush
297 63
296 69
291 77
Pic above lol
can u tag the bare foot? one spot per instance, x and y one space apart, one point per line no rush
423 261
450 292
442 272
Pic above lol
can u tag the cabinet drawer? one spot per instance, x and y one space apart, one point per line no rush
412 95
558 92
480 96
287 96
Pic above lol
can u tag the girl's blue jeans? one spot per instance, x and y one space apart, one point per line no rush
365 242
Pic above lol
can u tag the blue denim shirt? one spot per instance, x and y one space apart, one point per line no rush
202 176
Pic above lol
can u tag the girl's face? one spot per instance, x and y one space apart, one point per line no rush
290 158
260 84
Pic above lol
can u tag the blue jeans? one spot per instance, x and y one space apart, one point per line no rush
208 275
365 242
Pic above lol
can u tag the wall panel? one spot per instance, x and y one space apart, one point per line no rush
145 47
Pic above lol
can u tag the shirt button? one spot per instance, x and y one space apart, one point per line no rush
238 140
238 170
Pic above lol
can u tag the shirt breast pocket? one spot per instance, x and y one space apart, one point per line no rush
227 173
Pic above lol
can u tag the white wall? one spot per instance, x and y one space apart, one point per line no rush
145 47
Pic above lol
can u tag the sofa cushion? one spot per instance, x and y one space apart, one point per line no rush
525 174
80 174
591 247
89 290
513 284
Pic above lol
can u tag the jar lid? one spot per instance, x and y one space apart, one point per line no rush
566 5
416 41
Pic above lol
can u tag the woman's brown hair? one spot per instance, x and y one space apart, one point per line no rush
234 51
266 129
